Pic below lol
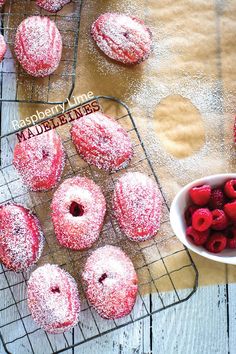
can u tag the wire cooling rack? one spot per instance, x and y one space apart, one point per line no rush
15 84
160 263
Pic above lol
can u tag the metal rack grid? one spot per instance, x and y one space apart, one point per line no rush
15 84
159 262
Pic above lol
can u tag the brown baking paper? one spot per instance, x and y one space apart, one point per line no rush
182 99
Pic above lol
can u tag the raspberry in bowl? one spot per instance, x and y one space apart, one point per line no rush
203 217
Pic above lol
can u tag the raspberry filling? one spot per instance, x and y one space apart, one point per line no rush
102 277
76 209
55 289
45 154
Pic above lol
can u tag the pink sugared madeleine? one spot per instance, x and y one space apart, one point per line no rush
40 160
78 210
123 38
3 47
21 237
111 282
137 206
102 142
52 5
53 299
38 46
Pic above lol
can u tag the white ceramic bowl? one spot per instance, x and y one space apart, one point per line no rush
177 220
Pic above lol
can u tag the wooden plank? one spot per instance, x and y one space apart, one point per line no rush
196 326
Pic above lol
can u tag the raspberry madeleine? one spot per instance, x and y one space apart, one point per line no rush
40 160
123 38
21 237
3 47
78 210
53 299
52 5
137 206
110 282
38 46
102 142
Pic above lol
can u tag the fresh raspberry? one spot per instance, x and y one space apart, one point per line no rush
200 195
230 210
202 219
230 188
216 242
217 199
220 220
196 237
231 237
189 213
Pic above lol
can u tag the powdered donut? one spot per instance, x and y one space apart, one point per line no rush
3 47
111 282
52 5
137 206
123 38
38 46
40 160
78 210
53 299
102 142
21 238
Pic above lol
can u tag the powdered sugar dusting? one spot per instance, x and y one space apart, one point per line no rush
110 282
78 210
40 159
53 299
38 46
21 238
122 38
137 206
52 5
102 142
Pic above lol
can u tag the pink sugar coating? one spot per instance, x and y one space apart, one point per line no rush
122 37
52 5
78 232
111 282
40 160
21 237
2 2
137 206
3 47
102 142
38 46
53 299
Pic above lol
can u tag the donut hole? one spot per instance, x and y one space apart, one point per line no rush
55 289
76 209
102 277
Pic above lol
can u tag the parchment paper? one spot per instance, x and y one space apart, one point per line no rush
182 97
